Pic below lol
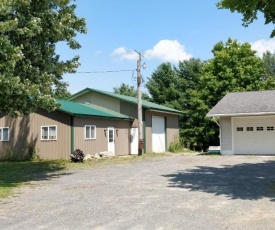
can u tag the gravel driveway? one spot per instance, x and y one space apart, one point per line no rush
175 192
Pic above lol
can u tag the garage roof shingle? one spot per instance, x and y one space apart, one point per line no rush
245 103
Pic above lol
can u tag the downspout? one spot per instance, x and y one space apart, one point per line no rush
216 121
72 134
220 130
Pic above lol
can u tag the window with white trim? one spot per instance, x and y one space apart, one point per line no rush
239 129
90 132
4 134
249 128
49 132
270 128
260 128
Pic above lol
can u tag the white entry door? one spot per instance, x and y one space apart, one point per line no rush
134 141
158 134
111 140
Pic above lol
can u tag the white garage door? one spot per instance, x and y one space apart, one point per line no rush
254 135
158 134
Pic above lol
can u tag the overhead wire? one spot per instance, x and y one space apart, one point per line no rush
107 71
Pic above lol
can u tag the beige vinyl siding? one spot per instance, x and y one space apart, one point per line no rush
19 134
172 125
148 135
122 137
226 135
99 100
26 130
56 149
128 109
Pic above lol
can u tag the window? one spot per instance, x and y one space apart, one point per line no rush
270 128
260 128
4 134
49 132
249 128
239 129
111 135
90 132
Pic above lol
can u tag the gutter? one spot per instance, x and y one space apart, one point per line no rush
165 111
95 116
240 114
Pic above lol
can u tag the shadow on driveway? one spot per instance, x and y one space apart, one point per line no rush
243 181
13 174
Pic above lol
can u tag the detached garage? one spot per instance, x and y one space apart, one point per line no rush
247 123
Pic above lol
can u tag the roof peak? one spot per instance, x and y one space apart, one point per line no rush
130 99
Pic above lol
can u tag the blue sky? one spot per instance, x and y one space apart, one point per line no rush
163 30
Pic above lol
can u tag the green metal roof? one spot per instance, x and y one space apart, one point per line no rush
79 109
145 104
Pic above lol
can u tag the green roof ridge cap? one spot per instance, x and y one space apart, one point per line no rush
145 103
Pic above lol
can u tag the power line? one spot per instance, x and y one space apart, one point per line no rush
109 71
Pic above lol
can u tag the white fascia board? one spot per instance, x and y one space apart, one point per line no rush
240 114
163 111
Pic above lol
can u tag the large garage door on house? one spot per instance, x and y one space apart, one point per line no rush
158 134
254 135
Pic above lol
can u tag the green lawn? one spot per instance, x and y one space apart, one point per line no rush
15 174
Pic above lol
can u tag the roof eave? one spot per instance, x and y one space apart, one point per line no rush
165 111
95 116
104 117
240 114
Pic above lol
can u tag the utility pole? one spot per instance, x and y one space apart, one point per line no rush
140 130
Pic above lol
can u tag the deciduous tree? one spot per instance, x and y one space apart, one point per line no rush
30 69
249 9
128 90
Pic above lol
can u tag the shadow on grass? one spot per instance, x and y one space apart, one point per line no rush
14 174
243 181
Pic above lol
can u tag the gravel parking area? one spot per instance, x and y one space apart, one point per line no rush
174 192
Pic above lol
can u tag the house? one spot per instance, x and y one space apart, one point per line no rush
247 121
56 134
102 123
160 123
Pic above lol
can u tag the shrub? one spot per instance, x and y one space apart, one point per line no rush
175 146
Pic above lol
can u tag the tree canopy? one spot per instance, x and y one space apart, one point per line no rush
30 69
249 9
128 90
269 64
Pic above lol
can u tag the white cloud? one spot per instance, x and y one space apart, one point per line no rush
262 46
168 50
164 50
123 53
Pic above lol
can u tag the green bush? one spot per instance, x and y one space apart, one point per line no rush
175 147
